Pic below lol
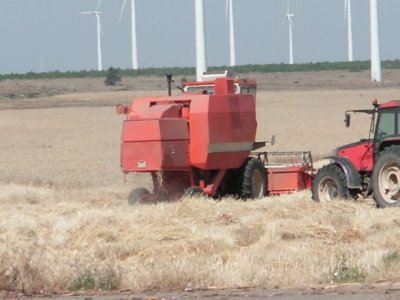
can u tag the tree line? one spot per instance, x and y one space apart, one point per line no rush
355 66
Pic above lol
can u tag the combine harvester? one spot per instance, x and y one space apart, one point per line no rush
203 142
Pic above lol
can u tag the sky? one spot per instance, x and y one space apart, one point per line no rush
53 35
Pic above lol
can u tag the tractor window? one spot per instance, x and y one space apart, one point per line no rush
386 125
398 122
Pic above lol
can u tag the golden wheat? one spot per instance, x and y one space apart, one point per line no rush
65 223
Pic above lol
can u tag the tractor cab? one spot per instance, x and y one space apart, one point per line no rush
387 131
385 124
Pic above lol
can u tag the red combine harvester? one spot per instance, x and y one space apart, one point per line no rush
368 167
203 142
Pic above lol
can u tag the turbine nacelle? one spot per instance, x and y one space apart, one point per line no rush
290 18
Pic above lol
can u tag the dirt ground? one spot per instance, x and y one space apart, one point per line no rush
92 91
61 140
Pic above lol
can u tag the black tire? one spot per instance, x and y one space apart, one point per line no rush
193 191
386 178
137 195
253 179
329 184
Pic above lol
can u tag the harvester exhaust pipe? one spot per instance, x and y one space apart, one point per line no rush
169 82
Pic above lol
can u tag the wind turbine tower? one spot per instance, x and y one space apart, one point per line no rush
135 65
376 73
347 7
201 62
289 17
97 14
229 10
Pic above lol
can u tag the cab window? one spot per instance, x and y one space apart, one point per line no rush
248 89
386 125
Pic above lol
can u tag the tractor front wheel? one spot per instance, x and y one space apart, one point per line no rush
386 178
329 184
253 179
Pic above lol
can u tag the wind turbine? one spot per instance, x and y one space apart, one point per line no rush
376 75
135 64
97 13
289 17
229 16
201 61
347 14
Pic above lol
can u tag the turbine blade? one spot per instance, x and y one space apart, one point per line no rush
227 10
122 10
98 5
346 5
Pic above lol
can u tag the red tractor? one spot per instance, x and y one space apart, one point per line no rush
368 167
203 142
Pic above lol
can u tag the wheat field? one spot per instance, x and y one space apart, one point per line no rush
65 223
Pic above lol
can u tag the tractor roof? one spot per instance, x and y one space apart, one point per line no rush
390 104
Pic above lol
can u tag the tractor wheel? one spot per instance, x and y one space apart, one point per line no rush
329 184
386 178
137 195
193 191
253 179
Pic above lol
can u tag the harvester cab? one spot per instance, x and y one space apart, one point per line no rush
368 167
241 86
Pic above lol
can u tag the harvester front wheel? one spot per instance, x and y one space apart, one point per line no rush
329 184
193 191
137 195
254 182
386 178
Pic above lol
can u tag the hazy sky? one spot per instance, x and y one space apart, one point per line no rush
56 31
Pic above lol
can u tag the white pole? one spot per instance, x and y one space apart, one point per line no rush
201 63
349 31
135 64
232 35
41 64
290 43
99 60
376 75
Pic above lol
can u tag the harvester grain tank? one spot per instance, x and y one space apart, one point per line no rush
203 142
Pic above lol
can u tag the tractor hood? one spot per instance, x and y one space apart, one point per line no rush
360 154
350 146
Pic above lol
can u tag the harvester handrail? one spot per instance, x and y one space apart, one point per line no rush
303 158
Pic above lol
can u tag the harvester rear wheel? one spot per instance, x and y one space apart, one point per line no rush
253 180
330 184
386 178
137 195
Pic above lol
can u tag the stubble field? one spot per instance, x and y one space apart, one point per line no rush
65 223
